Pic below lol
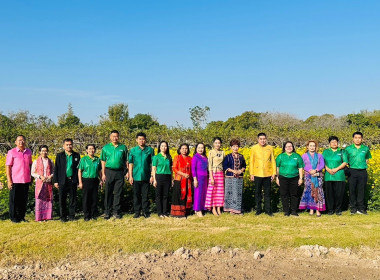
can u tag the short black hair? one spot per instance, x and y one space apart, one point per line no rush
261 134
217 138
115 131
288 142
331 138
204 148
142 134
68 140
20 135
357 133
43 146
234 142
93 145
180 146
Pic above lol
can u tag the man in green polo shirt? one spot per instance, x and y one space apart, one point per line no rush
89 172
335 180
114 158
140 165
358 156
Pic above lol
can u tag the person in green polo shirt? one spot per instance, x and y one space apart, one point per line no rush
114 158
89 172
335 180
289 177
140 166
358 156
162 178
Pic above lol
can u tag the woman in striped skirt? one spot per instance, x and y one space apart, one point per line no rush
234 166
215 190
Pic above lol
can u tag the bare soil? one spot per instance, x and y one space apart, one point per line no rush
301 263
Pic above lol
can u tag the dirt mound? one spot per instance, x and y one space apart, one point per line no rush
315 262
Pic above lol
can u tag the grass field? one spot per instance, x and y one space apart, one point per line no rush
53 241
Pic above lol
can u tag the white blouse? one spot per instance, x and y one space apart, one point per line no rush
45 162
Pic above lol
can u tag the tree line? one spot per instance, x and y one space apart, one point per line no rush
279 127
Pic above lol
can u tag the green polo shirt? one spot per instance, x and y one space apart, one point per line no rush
69 165
289 164
357 158
90 167
334 160
142 161
115 157
162 163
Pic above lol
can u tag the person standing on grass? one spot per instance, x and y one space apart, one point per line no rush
182 195
140 170
313 197
114 159
335 179
162 178
289 177
66 179
42 171
215 190
234 166
358 156
262 168
89 172
18 162
200 178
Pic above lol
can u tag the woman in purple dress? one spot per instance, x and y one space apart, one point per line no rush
313 197
200 176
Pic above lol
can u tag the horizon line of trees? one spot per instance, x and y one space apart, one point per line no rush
279 127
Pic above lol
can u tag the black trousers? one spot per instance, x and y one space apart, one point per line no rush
334 195
357 183
18 198
113 189
260 184
68 189
90 197
289 194
140 196
164 181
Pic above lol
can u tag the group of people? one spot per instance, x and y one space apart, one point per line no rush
205 182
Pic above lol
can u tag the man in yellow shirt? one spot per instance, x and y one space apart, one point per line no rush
262 168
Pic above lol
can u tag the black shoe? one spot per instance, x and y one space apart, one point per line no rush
339 213
86 219
94 218
361 212
146 215
353 212
15 221
107 217
269 214
287 214
23 220
294 214
136 216
330 213
71 219
117 216
64 220
258 213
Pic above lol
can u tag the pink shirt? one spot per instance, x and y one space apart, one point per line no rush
20 163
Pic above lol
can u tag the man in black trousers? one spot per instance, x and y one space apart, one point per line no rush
66 179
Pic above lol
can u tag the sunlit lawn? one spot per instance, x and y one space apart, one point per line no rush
52 241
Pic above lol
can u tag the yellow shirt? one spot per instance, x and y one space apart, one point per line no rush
262 162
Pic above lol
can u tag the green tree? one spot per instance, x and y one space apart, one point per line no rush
198 116
68 119
143 122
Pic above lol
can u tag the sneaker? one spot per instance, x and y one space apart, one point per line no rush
136 216
294 214
161 216
353 212
330 213
361 212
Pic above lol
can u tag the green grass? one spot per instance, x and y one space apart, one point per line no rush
53 241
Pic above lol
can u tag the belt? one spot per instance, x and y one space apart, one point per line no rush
69 177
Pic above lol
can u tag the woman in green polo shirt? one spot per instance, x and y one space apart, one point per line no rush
162 175
335 180
89 173
289 177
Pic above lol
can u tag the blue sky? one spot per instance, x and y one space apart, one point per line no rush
163 57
